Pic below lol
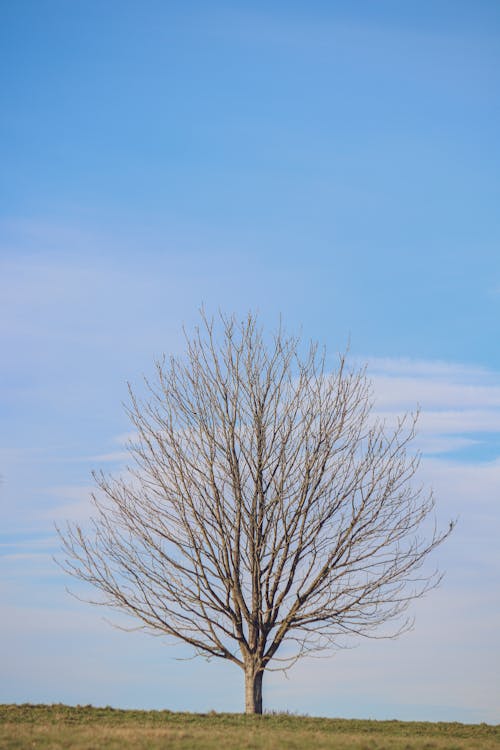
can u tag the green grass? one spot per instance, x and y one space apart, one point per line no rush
87 728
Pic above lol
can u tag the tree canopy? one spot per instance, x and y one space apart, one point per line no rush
267 512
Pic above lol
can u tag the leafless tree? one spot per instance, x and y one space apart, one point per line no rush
267 510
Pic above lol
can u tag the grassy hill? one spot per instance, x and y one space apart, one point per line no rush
87 728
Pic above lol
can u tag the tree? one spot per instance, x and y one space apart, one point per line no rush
267 510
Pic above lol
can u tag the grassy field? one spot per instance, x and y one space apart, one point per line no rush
87 728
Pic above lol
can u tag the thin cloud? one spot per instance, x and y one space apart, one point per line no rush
456 402
112 457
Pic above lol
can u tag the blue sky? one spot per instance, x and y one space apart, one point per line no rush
333 162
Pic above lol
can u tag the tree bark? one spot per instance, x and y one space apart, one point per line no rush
253 690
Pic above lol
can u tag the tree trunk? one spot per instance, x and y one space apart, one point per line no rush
253 690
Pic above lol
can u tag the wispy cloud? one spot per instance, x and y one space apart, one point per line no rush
456 401
68 503
100 458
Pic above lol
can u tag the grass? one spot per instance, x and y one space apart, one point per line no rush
87 728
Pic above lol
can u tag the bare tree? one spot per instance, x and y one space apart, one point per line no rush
266 511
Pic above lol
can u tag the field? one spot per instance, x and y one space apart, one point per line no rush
87 728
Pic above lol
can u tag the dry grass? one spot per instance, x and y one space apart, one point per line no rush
87 728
